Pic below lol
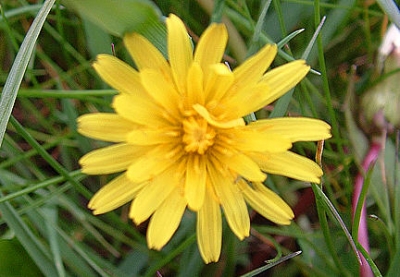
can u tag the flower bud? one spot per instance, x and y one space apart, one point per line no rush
380 105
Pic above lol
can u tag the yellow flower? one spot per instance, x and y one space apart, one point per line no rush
181 140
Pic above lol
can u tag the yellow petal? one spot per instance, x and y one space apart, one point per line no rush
180 51
244 139
240 102
140 110
118 74
213 121
282 79
154 162
209 229
146 55
195 183
165 220
291 165
266 202
211 46
110 159
217 83
152 195
195 90
105 126
294 128
113 195
161 92
233 204
254 67
151 137
240 164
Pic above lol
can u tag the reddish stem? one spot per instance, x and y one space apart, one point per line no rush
368 162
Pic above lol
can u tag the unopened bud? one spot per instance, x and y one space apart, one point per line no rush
380 105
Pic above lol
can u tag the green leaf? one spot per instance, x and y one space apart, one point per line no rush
33 246
124 16
13 82
15 261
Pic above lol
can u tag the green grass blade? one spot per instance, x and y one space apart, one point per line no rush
271 265
26 237
328 207
10 90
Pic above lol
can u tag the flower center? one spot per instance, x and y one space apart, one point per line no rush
198 135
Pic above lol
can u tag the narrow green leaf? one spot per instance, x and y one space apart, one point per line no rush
328 207
28 240
271 265
13 82
50 214
394 268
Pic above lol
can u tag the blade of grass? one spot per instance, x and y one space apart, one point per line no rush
270 265
325 81
328 207
70 94
371 263
397 193
322 211
48 158
159 264
258 28
283 103
50 219
14 79
51 181
32 245
218 11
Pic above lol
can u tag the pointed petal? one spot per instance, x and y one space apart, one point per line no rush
153 137
195 184
202 111
214 38
294 128
146 55
232 202
240 164
282 79
110 159
152 195
217 83
118 74
113 195
266 202
246 139
239 102
209 228
161 91
105 126
195 90
243 101
291 165
140 110
165 220
154 162
180 51
254 67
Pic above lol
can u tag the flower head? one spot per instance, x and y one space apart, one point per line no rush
181 140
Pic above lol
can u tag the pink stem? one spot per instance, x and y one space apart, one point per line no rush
369 160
